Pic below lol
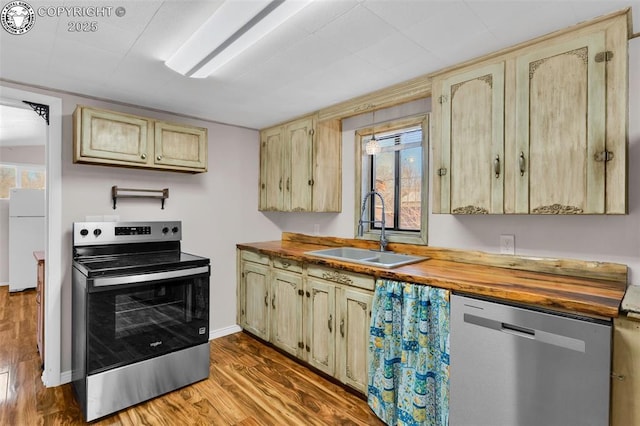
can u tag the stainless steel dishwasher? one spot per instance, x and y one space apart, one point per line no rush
512 366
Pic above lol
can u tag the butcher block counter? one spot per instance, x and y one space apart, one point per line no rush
588 288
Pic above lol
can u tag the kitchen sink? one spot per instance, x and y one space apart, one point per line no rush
384 259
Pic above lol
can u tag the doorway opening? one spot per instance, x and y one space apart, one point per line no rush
51 375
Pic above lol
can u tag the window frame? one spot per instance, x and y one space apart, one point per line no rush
364 172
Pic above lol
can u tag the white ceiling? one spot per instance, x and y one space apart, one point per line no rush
331 51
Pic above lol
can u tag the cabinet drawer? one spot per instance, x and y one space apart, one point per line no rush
255 257
341 277
289 265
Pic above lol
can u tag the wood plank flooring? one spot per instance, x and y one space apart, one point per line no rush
250 384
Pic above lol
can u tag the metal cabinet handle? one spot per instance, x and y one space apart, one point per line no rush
266 300
280 184
496 166
288 183
342 327
521 162
273 301
143 156
159 157
330 323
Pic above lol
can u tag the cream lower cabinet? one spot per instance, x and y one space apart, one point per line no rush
286 306
254 306
625 377
539 129
338 315
319 315
117 139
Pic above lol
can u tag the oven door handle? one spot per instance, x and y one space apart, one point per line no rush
154 276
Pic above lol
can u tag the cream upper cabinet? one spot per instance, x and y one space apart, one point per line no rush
286 314
180 146
560 127
112 138
271 165
106 135
300 166
471 107
538 129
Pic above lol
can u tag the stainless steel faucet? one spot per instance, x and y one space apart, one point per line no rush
383 238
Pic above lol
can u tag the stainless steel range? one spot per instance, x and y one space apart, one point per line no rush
140 317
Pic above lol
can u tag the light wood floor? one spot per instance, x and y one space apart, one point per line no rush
249 384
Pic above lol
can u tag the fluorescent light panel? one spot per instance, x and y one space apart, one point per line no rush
234 27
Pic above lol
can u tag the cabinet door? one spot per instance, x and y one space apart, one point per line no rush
271 168
107 137
254 295
327 167
354 315
298 160
286 316
320 325
625 380
182 147
560 128
471 172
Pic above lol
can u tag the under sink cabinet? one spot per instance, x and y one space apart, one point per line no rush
112 138
539 128
316 314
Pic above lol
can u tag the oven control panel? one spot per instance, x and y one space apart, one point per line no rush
94 233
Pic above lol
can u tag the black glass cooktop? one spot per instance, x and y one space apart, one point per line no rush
135 263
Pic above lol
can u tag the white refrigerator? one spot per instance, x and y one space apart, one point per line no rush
26 235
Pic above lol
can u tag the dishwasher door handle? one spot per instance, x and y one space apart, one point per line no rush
567 342
517 330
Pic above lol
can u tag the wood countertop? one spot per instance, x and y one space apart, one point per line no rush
593 289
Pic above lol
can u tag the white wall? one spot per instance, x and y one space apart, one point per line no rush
604 238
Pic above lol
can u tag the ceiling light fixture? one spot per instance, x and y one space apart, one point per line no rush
372 147
234 27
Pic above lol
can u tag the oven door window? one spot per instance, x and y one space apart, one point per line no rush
135 322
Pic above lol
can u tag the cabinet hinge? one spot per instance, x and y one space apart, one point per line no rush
300 292
442 99
308 294
312 132
605 56
603 156
442 171
311 182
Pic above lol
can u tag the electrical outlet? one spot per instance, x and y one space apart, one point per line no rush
507 244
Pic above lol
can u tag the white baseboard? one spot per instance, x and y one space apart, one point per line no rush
221 332
65 377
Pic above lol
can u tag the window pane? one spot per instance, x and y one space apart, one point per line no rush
410 189
7 180
384 175
33 179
